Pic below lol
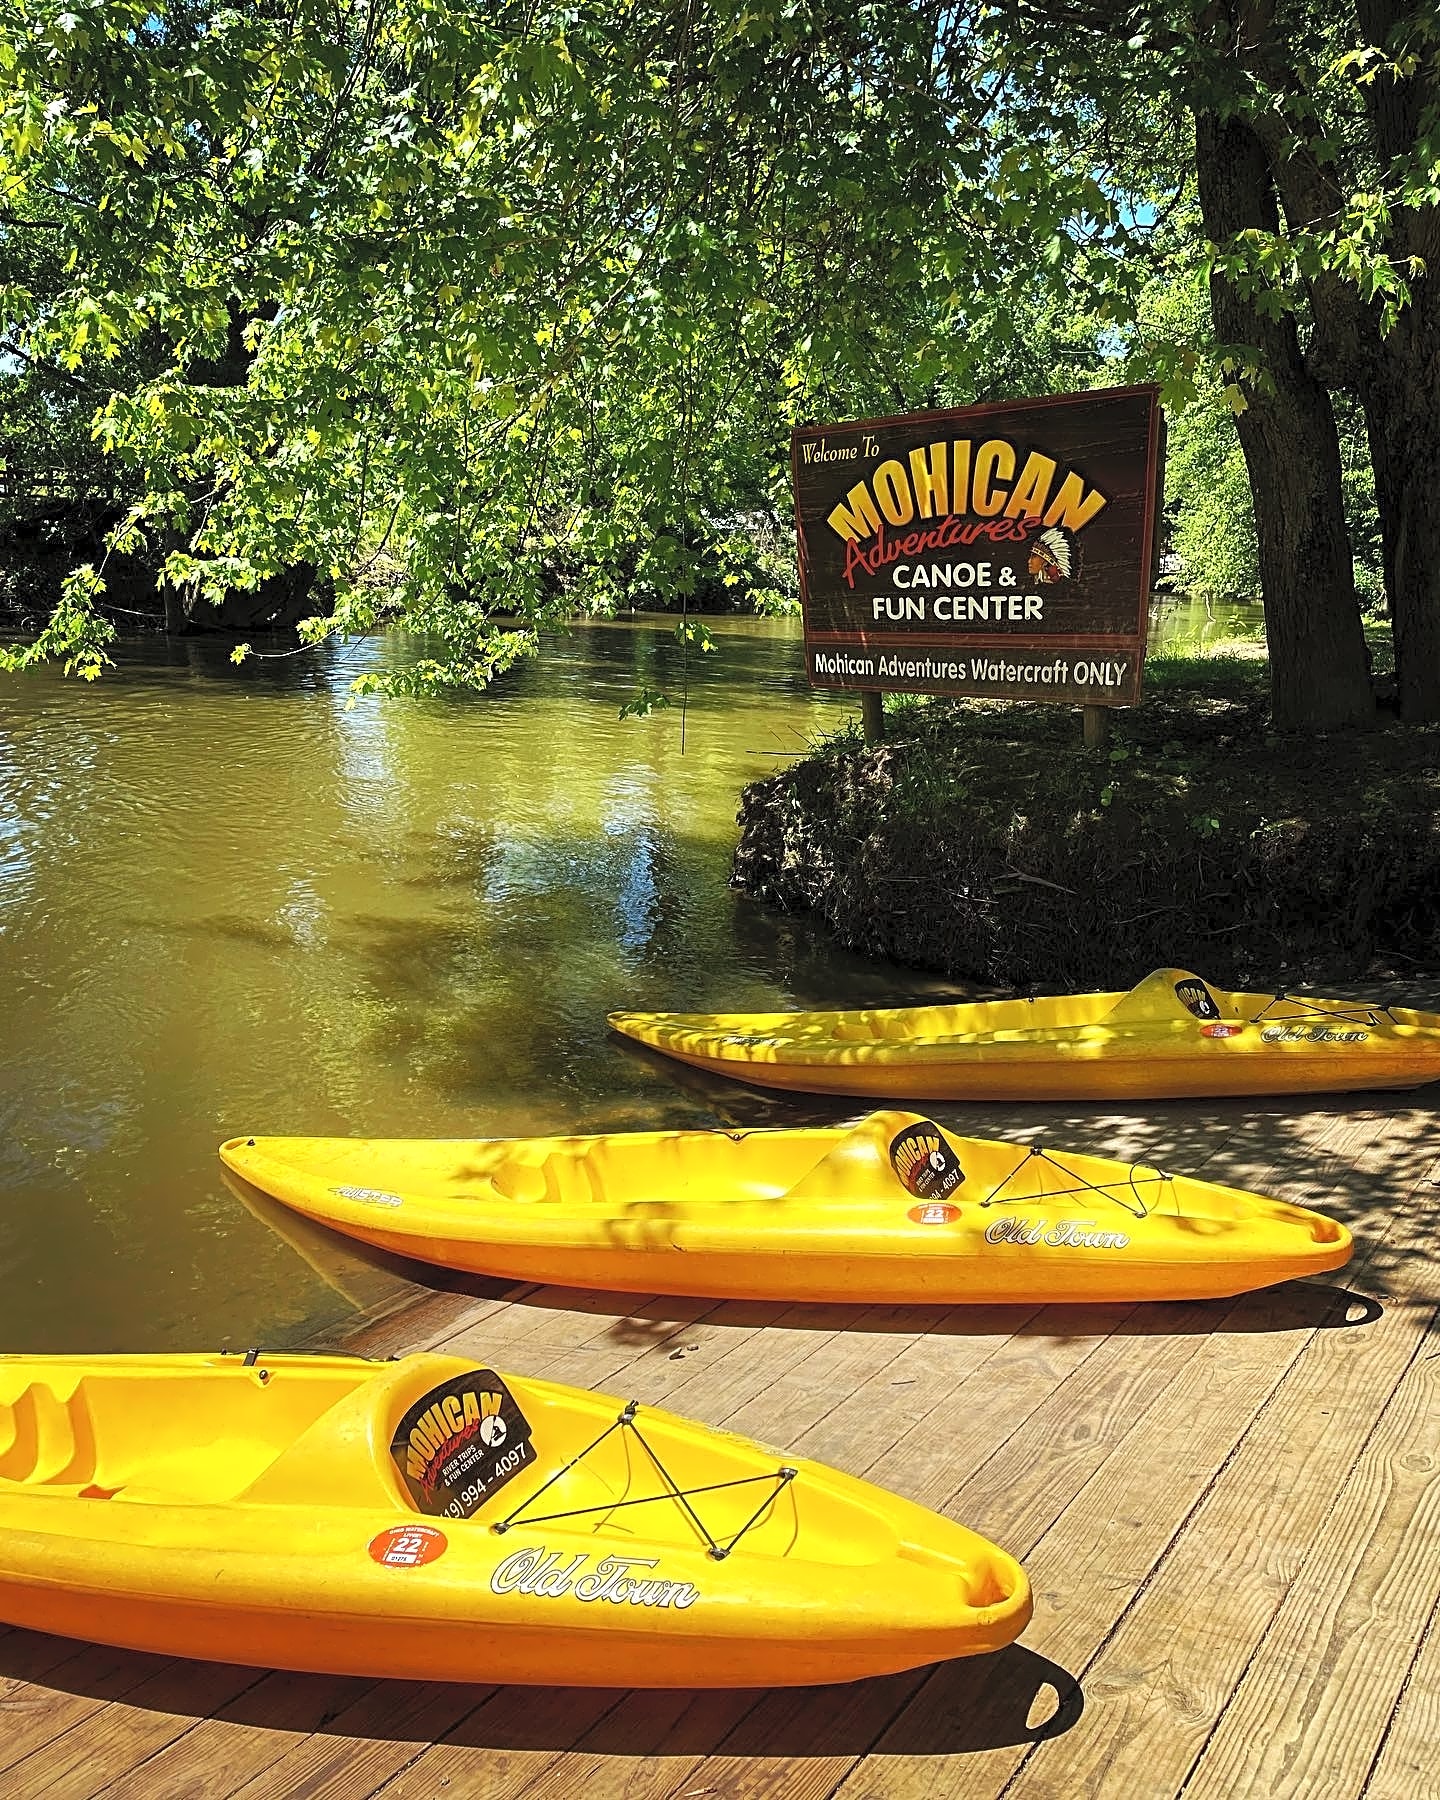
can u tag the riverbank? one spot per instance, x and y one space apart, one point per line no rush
982 841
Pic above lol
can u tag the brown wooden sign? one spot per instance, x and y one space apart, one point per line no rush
1000 550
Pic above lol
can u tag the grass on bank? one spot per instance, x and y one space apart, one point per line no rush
981 839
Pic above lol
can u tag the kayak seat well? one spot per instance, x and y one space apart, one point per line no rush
1157 999
864 1148
192 1441
560 1176
341 1457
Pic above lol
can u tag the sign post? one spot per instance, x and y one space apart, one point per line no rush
999 551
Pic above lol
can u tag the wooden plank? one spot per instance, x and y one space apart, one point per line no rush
1157 1679
782 1411
561 1318
645 1747
503 1745
970 1420
462 1326
1106 1543
1062 1441
1325 1167
243 1736
1311 1708
60 1695
27 1657
1163 1674
731 1367
1088 1563
368 1743
1409 1759
741 1747
790 1745
899 1399
420 1324
121 1736
921 1756
739 1354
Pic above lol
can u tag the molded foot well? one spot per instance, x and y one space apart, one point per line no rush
44 1438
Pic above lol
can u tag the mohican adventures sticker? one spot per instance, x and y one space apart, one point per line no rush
925 1163
1196 998
461 1443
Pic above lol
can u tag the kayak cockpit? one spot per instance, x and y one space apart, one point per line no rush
118 1431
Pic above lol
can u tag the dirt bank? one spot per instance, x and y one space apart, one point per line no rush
983 842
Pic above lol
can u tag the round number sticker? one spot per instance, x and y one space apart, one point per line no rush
938 1212
408 1546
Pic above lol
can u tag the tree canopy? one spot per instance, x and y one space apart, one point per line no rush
525 298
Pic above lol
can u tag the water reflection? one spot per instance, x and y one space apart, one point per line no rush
1188 624
229 903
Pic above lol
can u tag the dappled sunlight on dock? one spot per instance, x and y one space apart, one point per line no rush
1223 1507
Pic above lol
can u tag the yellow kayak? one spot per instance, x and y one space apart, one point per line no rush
893 1209
1172 1035
434 1520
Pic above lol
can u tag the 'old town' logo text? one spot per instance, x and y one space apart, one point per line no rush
547 1574
1061 1234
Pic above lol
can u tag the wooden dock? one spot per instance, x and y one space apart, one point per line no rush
1230 1513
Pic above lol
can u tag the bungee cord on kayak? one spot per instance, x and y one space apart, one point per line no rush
1356 1012
625 1420
1082 1184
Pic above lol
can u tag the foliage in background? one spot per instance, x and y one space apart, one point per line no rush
519 302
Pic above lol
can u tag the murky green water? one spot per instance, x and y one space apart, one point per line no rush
1186 625
229 905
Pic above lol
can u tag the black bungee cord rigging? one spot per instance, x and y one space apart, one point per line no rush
625 1421
1082 1184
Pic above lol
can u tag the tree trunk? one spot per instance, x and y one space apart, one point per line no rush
1404 436
1396 375
1399 383
1319 663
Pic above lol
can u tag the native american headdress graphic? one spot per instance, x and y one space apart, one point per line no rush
1052 555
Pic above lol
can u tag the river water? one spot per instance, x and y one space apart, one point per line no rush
230 904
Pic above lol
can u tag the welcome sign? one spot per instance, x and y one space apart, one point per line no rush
1002 551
